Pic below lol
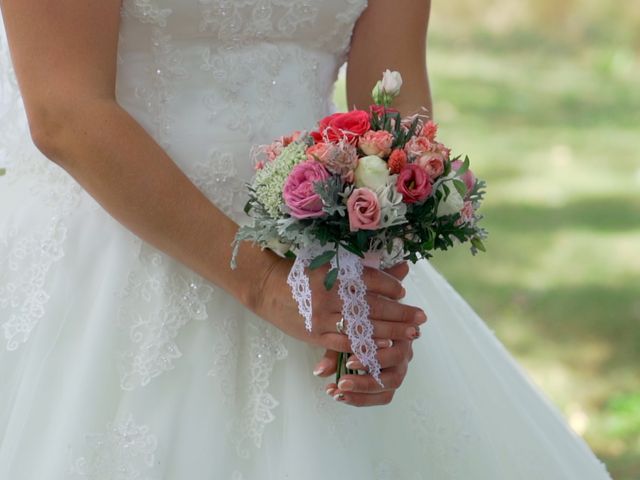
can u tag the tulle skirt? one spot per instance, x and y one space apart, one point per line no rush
118 362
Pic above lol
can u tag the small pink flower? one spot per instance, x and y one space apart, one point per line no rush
289 139
340 158
273 150
299 194
466 214
417 146
364 210
433 164
376 143
467 177
414 183
429 130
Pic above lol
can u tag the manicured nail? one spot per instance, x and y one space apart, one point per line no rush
346 385
420 317
384 343
403 293
319 370
339 397
330 391
354 365
413 332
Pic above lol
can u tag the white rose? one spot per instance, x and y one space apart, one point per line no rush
372 172
453 203
391 82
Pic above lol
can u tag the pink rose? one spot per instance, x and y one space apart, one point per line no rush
340 158
467 177
364 210
376 143
433 164
413 183
298 192
417 146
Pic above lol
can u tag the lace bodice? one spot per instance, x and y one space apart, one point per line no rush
210 78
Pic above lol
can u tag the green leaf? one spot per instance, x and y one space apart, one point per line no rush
476 242
322 259
464 168
330 278
461 187
353 249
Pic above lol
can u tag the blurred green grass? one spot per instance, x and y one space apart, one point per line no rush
553 124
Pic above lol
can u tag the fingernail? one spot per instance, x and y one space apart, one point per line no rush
346 385
339 397
319 370
413 332
420 317
352 364
403 292
330 391
384 343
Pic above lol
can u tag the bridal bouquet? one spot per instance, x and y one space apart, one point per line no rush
364 188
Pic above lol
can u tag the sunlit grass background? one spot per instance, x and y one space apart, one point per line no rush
545 98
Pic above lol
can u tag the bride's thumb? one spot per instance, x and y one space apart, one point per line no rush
327 365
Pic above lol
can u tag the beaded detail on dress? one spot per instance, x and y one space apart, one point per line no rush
125 450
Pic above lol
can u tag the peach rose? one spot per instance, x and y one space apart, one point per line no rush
417 146
433 164
376 143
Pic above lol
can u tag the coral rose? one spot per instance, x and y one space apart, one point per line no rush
350 126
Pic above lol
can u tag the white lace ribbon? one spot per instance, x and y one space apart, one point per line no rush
355 309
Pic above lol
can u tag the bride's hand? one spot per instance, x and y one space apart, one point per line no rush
272 300
363 390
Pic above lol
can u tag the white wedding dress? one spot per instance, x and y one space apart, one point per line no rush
117 362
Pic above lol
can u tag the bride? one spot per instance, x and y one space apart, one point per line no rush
132 351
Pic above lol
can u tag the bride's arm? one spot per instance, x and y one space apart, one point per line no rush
391 35
64 52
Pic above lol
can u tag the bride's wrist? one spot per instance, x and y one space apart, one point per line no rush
254 267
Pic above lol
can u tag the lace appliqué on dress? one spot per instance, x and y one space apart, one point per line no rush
160 298
27 260
218 179
266 348
124 451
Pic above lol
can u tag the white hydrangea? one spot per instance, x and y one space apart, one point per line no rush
270 180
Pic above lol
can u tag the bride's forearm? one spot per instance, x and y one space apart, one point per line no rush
114 159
